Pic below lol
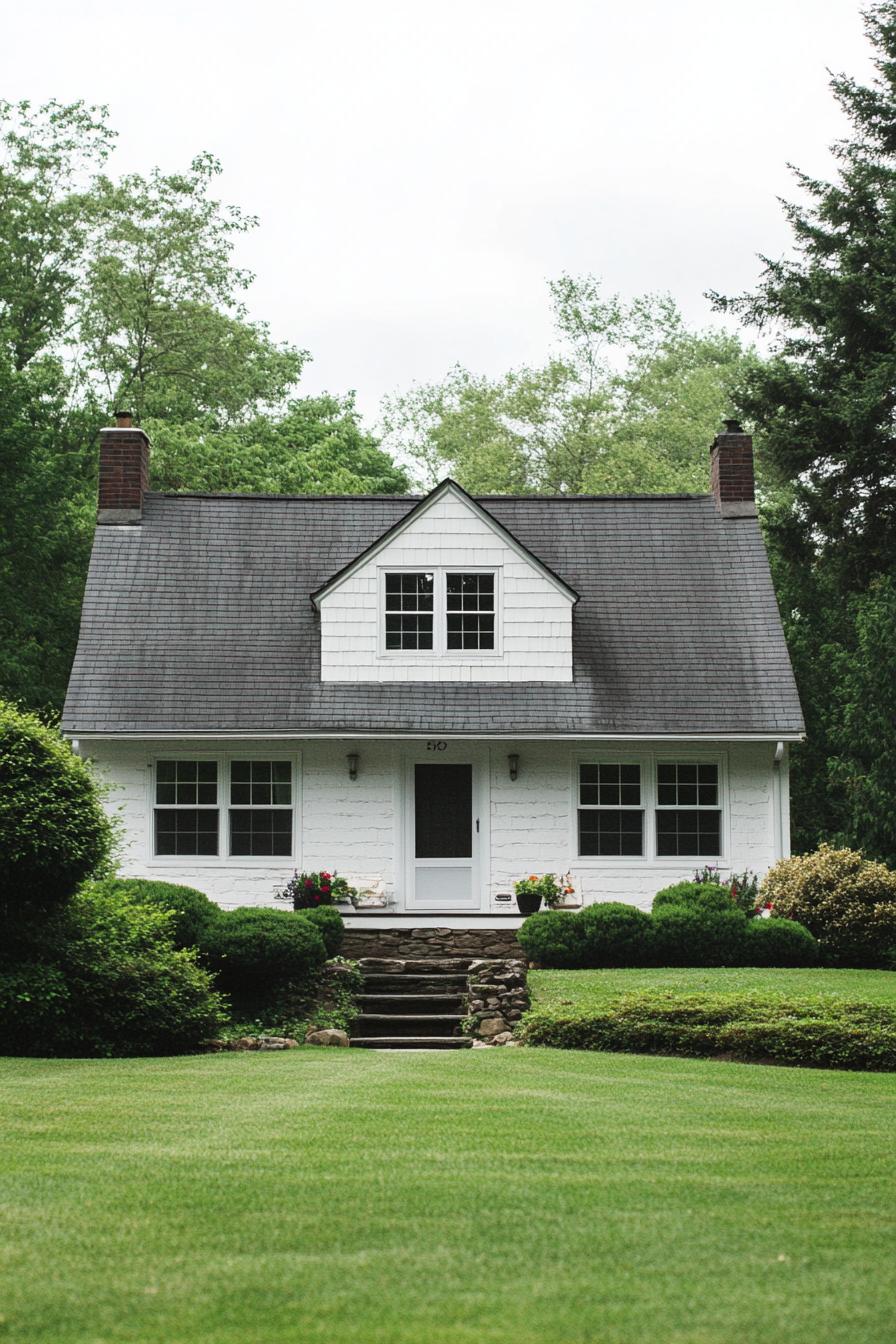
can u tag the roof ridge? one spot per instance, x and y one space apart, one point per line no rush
533 498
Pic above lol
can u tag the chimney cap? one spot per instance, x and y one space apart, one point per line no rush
124 419
733 427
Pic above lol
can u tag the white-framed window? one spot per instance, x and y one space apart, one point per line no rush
688 809
224 809
409 610
441 612
470 610
260 817
649 807
186 818
610 811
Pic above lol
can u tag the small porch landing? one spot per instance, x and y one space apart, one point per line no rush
418 938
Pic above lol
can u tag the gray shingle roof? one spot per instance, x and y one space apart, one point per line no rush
200 620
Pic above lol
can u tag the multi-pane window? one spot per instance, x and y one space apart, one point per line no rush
611 818
470 611
688 811
260 808
186 807
409 611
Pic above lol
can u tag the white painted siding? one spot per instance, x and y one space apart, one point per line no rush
534 617
357 826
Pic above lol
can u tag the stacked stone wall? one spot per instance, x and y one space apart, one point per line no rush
418 944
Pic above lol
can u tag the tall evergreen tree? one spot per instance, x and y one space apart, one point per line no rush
825 406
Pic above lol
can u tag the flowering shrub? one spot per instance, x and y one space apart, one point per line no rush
742 888
845 900
307 891
547 886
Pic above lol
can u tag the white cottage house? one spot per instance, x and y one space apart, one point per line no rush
437 695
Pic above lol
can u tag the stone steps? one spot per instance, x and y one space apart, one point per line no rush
418 1004
412 1042
412 1005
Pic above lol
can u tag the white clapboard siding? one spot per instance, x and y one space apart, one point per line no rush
535 616
356 826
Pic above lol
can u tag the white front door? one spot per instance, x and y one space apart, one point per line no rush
444 829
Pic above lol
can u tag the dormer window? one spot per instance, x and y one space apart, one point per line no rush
409 611
470 614
441 611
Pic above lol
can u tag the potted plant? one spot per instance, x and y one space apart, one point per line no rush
307 891
532 890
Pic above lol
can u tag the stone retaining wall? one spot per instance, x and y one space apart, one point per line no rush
417 944
498 998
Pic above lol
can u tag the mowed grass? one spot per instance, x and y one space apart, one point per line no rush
585 989
481 1197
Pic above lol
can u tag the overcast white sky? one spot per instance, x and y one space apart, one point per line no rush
421 167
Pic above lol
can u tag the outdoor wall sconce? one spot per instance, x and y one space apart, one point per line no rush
352 759
513 764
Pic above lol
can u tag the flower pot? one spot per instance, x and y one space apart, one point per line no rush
528 902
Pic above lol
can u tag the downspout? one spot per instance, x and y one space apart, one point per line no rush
778 801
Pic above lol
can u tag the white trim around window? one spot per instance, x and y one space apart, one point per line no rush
440 650
649 794
223 761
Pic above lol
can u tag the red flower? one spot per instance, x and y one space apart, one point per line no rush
308 882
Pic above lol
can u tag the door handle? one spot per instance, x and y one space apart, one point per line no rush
477 825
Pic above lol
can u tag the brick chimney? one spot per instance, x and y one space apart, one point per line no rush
731 472
124 471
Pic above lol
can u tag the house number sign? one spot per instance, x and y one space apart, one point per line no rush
437 746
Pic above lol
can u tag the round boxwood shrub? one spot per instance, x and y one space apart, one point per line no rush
779 942
845 900
53 830
255 950
328 923
692 935
120 984
192 912
613 934
706 895
552 938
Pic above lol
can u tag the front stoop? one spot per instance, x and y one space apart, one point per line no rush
412 1005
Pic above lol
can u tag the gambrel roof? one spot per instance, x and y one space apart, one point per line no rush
200 620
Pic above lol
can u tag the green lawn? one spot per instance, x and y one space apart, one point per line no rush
584 989
482 1197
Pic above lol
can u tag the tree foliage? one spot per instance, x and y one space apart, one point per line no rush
825 405
126 292
627 404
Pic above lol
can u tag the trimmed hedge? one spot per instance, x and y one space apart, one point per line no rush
707 895
779 942
697 935
553 938
53 830
192 912
258 952
328 922
613 934
845 900
818 1031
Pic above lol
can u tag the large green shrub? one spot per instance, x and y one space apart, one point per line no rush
34 1001
552 938
778 942
706 895
258 952
820 1031
120 985
53 830
695 935
329 925
192 913
613 934
845 900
